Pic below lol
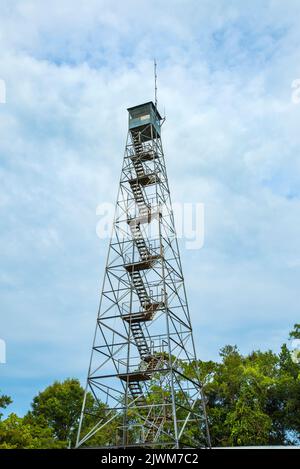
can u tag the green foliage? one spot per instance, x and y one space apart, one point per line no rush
15 433
58 408
4 402
295 333
252 400
247 423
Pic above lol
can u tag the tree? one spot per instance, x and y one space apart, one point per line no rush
242 402
288 389
295 333
15 433
4 402
247 423
58 408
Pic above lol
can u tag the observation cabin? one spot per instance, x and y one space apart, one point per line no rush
146 119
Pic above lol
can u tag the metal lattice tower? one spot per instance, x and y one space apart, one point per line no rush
143 347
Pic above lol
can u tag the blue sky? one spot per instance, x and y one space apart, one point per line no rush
231 140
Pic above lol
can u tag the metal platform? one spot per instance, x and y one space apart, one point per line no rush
142 265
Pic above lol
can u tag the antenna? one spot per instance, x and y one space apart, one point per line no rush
155 83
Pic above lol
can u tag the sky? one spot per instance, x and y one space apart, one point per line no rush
231 140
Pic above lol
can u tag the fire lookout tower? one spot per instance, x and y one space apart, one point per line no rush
143 368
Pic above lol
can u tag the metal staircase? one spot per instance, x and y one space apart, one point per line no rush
143 178
136 390
154 362
139 168
149 307
140 340
143 207
139 240
137 144
140 288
